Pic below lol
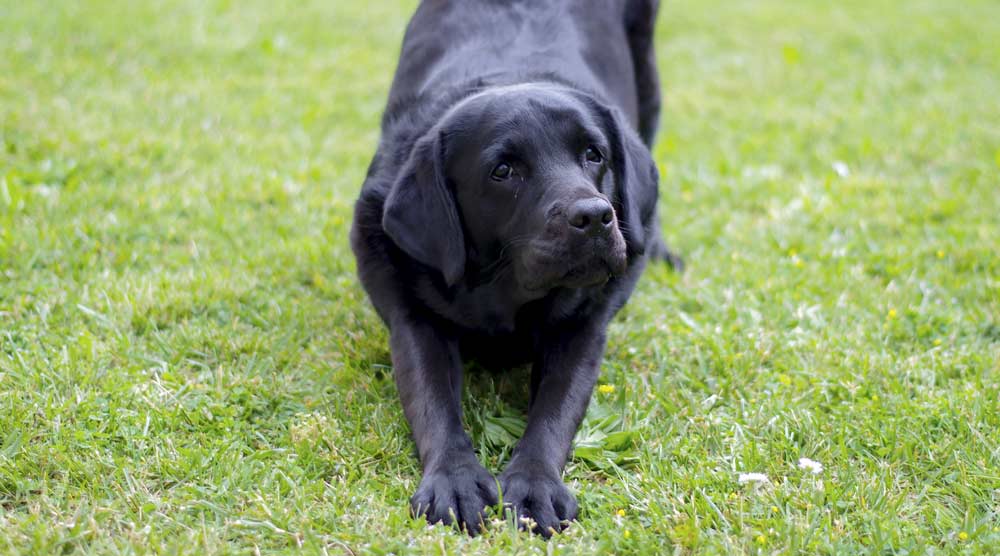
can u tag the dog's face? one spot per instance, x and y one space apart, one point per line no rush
530 180
533 185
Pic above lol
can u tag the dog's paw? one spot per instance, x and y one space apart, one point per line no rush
539 499
457 495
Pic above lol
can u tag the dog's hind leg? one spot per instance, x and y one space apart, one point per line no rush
658 250
640 26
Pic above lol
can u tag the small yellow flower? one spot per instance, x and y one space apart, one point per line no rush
874 397
606 388
761 539
892 313
627 534
937 341
940 254
774 509
620 512
963 536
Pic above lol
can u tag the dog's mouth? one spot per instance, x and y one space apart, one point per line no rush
573 270
596 274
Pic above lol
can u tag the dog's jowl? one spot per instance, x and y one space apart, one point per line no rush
510 209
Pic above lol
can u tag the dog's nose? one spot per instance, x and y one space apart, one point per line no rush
592 216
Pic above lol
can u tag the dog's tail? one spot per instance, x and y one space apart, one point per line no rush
659 251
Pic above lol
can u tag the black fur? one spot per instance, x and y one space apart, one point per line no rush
463 259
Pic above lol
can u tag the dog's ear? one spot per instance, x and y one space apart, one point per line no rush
636 178
420 213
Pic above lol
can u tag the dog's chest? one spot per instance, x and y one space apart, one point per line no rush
494 309
486 310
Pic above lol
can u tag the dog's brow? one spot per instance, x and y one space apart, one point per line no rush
595 136
502 149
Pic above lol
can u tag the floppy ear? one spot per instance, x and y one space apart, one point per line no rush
636 179
420 213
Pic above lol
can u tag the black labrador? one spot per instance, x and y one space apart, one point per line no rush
506 216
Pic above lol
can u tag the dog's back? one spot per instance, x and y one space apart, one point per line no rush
589 43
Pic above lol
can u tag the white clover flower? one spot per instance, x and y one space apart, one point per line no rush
753 478
811 465
841 169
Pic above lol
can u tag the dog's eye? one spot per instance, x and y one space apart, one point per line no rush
503 171
593 155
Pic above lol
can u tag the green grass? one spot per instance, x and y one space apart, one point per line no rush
188 364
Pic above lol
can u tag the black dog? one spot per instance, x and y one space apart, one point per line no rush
506 216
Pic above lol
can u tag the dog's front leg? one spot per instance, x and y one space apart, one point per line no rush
455 487
563 379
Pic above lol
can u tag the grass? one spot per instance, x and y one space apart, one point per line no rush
188 364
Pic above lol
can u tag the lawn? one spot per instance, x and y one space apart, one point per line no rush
189 365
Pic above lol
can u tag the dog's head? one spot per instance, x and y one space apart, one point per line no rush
542 181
